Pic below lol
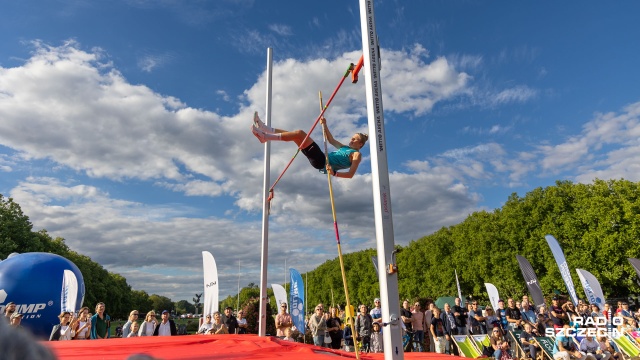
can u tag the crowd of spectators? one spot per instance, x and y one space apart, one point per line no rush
431 329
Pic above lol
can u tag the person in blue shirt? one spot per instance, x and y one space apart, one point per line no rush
346 157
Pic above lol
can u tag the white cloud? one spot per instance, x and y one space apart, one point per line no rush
280 29
92 121
148 63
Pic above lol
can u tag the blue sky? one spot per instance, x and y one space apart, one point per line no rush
125 124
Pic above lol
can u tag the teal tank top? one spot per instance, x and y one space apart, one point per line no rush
339 159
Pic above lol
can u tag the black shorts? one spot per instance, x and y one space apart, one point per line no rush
315 155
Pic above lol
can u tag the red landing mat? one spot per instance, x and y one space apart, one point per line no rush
207 347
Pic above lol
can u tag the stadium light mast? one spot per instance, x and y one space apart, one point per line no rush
265 207
387 273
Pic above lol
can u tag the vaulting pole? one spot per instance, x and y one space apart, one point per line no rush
387 273
335 228
265 207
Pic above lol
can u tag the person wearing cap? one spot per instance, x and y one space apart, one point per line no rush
16 318
166 327
9 309
376 312
283 321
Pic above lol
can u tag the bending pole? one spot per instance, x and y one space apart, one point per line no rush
335 227
387 274
264 258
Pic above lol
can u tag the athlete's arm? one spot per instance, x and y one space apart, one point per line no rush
355 161
330 138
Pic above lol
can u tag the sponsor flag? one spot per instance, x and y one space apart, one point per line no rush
636 265
532 281
280 294
210 284
374 259
296 300
458 285
591 288
493 294
562 265
69 294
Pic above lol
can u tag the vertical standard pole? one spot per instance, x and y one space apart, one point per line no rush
265 208
381 190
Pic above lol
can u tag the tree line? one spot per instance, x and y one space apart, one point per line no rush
597 225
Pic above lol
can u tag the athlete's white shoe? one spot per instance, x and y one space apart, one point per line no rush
260 125
258 133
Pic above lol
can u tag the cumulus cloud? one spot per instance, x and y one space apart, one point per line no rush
74 109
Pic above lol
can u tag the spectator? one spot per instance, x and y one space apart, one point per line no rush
287 335
541 325
417 323
17 344
514 318
607 348
476 320
218 327
497 343
527 313
428 316
148 325
83 326
405 315
9 309
206 325
565 348
558 315
591 348
283 321
376 312
334 326
571 312
64 330
461 314
490 320
230 320
595 311
100 323
527 337
126 328
526 298
133 330
364 326
318 325
242 323
501 313
16 319
376 339
626 313
166 327
450 329
438 332
348 336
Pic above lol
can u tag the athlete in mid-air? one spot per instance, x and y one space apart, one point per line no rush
346 157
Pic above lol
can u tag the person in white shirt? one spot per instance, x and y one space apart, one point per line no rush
64 330
166 327
206 326
148 325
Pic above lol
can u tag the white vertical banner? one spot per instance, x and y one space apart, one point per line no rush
592 288
493 294
556 250
69 294
280 294
210 304
458 285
